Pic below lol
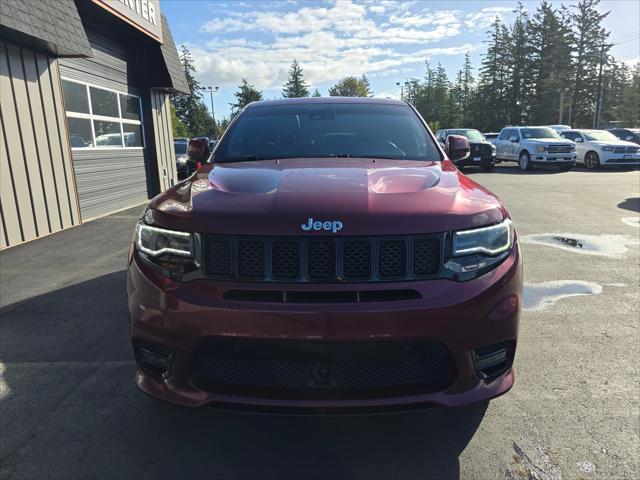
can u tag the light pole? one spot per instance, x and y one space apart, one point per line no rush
211 91
561 110
401 90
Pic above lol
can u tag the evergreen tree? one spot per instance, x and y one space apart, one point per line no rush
190 109
518 88
295 86
316 93
351 87
616 80
245 94
179 128
590 36
490 112
629 109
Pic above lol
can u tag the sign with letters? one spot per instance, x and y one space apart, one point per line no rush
142 14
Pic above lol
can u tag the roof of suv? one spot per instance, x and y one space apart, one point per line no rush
326 100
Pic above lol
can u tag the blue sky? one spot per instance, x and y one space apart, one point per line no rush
388 41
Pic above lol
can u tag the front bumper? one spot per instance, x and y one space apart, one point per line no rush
554 158
619 159
476 160
461 316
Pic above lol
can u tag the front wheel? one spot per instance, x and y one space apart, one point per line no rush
592 161
524 161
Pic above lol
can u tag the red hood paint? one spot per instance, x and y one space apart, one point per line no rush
369 197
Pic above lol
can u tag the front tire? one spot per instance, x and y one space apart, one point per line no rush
592 161
524 161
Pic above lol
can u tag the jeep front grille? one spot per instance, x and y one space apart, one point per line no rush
322 259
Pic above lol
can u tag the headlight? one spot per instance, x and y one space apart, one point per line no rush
493 149
156 241
539 148
607 149
181 160
490 241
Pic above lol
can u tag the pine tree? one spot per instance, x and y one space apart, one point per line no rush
630 99
245 94
316 93
295 86
590 37
190 109
490 112
518 91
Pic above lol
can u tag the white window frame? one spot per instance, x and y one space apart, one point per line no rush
91 117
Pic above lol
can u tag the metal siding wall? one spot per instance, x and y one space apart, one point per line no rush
37 197
107 179
163 136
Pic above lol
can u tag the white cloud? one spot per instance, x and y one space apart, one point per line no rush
330 40
486 16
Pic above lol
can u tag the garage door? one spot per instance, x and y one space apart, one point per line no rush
106 128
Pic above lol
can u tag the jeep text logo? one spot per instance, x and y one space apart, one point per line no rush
333 226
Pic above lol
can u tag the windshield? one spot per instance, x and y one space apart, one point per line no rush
470 134
180 148
539 132
327 131
599 135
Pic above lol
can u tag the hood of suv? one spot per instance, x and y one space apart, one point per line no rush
369 197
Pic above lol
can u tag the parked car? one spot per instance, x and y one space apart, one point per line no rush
327 256
535 145
491 137
627 134
180 146
599 148
559 128
482 152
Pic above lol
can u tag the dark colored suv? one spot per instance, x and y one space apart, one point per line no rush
628 134
483 152
328 256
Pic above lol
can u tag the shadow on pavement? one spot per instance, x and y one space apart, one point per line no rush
632 204
71 410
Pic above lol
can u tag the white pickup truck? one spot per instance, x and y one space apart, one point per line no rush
535 145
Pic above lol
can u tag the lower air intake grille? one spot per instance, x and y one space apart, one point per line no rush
323 369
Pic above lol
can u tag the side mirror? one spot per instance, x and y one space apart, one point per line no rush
198 149
457 147
514 139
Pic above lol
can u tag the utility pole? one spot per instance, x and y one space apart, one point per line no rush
561 107
596 116
211 91
401 90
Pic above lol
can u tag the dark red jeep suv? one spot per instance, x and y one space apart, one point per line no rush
328 256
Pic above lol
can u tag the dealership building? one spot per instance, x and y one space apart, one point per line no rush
85 112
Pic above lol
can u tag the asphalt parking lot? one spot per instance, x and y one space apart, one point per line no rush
69 408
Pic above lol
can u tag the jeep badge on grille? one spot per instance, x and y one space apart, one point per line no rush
330 225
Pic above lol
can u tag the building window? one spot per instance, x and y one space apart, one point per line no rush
102 118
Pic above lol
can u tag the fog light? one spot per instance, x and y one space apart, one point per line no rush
154 359
493 360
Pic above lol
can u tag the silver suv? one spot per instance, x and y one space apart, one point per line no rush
535 145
